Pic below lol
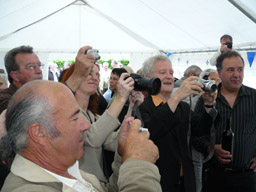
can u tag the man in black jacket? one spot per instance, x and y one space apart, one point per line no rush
168 120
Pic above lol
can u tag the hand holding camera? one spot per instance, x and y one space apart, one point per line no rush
125 86
134 143
226 47
229 45
94 52
190 86
84 62
136 96
152 86
83 66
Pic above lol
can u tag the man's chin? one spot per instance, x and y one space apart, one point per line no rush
169 91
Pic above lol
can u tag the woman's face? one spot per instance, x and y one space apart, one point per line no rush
88 85
96 75
113 81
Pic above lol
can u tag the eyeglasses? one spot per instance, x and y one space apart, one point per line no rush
113 79
33 66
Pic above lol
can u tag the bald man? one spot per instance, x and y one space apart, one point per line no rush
45 129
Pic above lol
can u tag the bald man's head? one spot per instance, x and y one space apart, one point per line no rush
35 102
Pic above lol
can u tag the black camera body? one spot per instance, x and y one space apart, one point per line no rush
229 45
95 53
152 85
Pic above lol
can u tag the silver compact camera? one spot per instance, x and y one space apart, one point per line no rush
209 86
95 53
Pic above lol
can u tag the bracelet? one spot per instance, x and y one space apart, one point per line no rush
208 106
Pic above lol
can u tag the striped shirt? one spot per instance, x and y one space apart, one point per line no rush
243 116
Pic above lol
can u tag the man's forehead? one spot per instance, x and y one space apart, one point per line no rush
230 61
26 57
224 40
65 107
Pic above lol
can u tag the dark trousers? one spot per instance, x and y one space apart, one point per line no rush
231 181
181 186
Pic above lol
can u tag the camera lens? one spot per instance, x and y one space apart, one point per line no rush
229 45
156 86
152 86
209 86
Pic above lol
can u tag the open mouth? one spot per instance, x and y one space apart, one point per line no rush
167 83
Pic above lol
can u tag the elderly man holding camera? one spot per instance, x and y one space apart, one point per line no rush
170 122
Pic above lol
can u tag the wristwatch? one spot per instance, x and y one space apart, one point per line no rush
210 106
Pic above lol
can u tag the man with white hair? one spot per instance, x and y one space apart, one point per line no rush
170 121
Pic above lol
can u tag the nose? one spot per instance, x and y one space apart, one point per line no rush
236 73
38 70
96 78
168 75
90 76
85 125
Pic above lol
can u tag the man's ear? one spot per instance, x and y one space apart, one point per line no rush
14 76
37 133
191 74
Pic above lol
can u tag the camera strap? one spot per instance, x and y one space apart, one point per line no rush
136 113
212 139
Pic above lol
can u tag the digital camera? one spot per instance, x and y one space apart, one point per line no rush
229 45
95 53
152 85
209 86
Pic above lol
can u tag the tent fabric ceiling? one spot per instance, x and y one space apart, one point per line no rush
134 25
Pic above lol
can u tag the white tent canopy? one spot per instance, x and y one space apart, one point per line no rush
134 25
137 28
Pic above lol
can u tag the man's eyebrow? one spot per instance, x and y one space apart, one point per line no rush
75 113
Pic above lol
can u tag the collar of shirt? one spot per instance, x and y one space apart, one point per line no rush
157 100
242 91
78 184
